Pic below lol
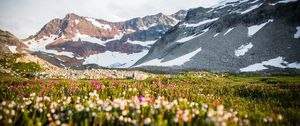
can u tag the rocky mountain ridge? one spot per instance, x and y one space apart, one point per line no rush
84 40
232 36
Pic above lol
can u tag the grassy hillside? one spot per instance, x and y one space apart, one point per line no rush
9 62
181 100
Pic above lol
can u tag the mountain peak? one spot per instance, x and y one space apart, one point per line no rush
71 16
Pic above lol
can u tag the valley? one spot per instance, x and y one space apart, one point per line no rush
235 63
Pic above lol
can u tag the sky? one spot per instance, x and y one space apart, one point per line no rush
26 17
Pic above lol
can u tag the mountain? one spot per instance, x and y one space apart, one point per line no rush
76 40
232 36
10 43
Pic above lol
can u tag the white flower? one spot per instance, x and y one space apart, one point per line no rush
108 116
12 104
147 121
70 112
13 112
9 121
108 108
121 118
129 120
39 124
279 117
235 119
176 119
3 103
52 110
87 109
185 117
28 102
124 112
134 122
32 94
6 111
57 122
196 111
210 113
79 107
265 120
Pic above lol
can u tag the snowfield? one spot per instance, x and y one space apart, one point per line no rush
251 8
175 62
276 62
146 43
282 1
243 49
87 38
98 24
297 34
13 49
229 30
200 23
114 59
255 28
40 45
185 39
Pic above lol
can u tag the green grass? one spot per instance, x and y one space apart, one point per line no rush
258 100
9 61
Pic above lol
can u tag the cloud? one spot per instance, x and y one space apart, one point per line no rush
26 17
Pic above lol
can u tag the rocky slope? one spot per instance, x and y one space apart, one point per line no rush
76 40
9 43
14 57
234 36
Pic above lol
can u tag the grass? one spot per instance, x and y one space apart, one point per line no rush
180 100
9 61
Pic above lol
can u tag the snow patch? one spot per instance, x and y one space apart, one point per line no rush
13 49
77 21
254 1
276 62
216 34
147 27
98 24
282 1
229 30
243 49
145 43
294 65
79 58
111 59
251 8
297 34
225 3
175 62
40 45
200 23
130 30
175 20
87 38
185 39
255 28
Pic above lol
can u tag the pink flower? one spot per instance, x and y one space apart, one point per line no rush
141 99
97 85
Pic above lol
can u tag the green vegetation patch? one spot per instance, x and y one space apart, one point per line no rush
188 99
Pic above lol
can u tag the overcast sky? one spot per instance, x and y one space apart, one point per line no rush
26 17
